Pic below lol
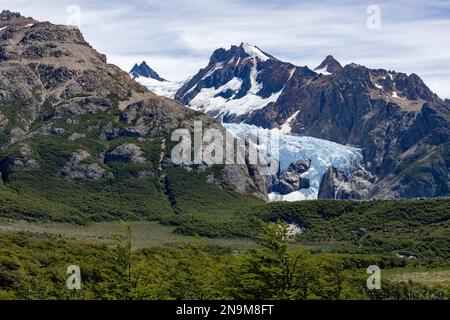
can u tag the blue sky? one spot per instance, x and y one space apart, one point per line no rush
177 37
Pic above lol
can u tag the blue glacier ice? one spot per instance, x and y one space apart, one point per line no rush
322 153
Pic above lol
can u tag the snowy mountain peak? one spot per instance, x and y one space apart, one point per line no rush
236 83
328 66
255 52
143 70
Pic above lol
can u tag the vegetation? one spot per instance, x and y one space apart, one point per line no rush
417 229
36 269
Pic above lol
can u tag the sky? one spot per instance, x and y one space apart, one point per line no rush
177 37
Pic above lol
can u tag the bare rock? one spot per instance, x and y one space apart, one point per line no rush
339 185
20 160
77 168
127 152
292 179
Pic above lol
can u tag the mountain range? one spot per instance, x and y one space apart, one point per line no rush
400 125
80 140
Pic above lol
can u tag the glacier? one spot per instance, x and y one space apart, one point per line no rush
161 88
323 154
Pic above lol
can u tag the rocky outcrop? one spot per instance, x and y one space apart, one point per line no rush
336 184
127 152
7 15
78 167
20 160
81 107
75 136
292 179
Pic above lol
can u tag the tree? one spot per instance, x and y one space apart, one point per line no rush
120 276
276 272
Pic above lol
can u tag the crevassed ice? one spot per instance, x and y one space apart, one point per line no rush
322 153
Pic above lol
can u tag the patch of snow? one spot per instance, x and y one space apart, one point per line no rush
287 126
255 86
395 95
391 76
29 25
207 100
292 73
191 89
323 71
161 88
378 86
322 153
3 28
254 52
216 67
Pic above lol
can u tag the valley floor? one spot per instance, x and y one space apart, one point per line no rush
335 242
146 234
154 236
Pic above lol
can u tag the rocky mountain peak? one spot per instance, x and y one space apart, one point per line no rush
239 55
10 22
255 52
239 80
143 70
328 66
